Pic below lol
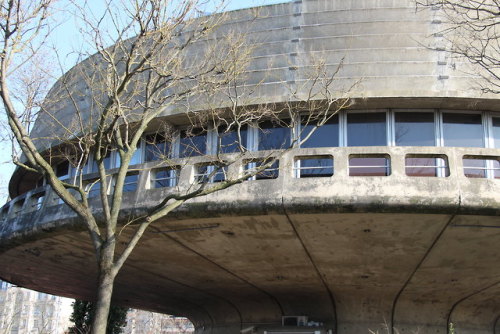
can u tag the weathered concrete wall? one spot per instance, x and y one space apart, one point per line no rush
384 44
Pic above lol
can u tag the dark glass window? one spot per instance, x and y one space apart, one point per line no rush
271 172
273 136
40 182
463 130
415 129
94 189
326 135
366 129
62 169
165 177
157 148
319 166
192 143
136 156
210 173
130 182
496 131
230 141
106 162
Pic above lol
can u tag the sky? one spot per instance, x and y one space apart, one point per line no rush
65 39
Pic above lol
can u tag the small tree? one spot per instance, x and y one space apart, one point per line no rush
148 57
82 318
472 32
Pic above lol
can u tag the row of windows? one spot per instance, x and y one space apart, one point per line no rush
320 166
406 128
416 165
376 128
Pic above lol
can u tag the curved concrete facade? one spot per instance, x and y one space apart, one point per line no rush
352 253
385 45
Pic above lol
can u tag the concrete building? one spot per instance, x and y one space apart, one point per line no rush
144 322
25 311
387 216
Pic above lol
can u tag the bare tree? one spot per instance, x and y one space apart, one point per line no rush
154 58
9 313
472 31
21 311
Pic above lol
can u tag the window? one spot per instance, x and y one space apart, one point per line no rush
5 212
40 182
427 165
18 206
130 182
481 167
326 135
62 169
228 141
319 166
165 177
270 172
37 200
366 129
106 162
93 188
157 147
463 130
136 156
415 129
210 173
273 136
496 131
192 143
369 165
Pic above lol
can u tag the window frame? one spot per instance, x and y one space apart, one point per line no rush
387 166
215 168
251 164
441 167
297 168
173 181
345 113
125 183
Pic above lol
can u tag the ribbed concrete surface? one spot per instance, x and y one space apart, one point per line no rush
385 45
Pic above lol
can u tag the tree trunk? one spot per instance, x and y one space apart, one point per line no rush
104 291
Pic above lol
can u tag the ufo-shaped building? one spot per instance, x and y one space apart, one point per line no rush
387 217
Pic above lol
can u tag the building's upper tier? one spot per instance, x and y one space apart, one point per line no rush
347 128
391 49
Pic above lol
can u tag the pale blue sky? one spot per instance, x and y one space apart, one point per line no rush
66 38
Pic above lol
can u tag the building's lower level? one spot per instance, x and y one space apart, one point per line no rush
412 250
